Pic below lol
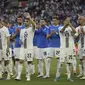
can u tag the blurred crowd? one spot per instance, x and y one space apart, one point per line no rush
47 9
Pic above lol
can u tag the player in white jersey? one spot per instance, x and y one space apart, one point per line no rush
26 51
4 48
67 44
81 46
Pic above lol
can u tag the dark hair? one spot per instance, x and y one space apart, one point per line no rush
44 19
20 16
55 17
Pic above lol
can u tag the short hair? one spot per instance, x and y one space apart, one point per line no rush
55 17
20 16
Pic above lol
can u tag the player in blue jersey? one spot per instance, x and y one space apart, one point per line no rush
35 39
54 45
17 29
42 44
11 32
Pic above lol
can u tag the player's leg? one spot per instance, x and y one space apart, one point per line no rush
68 68
80 63
69 60
6 59
74 62
20 64
17 54
29 58
48 57
59 63
40 62
0 65
10 63
83 64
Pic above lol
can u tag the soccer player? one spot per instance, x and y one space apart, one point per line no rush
54 45
35 39
81 48
67 43
16 35
4 48
26 51
42 44
11 32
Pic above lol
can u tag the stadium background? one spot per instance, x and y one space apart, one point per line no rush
10 9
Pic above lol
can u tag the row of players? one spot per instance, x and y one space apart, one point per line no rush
55 40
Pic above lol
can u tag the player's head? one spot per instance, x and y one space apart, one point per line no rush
81 20
4 23
20 20
43 22
55 20
9 25
27 22
66 20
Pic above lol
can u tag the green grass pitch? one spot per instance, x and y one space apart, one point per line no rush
40 81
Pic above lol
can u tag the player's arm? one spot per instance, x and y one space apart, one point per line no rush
21 37
50 34
8 40
31 20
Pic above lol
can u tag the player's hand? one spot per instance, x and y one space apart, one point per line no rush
27 15
18 30
53 32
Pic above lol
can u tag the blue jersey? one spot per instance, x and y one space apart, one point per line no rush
17 38
11 31
35 39
42 41
54 40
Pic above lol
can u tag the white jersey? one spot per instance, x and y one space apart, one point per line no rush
4 33
66 38
81 42
26 37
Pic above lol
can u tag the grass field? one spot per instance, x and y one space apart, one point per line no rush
40 81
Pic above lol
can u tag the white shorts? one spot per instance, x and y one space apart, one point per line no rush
26 54
4 55
66 54
17 53
35 52
42 53
54 52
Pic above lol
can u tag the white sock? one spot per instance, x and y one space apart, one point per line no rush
41 66
68 71
33 69
0 70
38 68
29 69
3 67
47 64
80 69
58 68
16 67
8 71
26 66
11 65
74 64
20 66
84 68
